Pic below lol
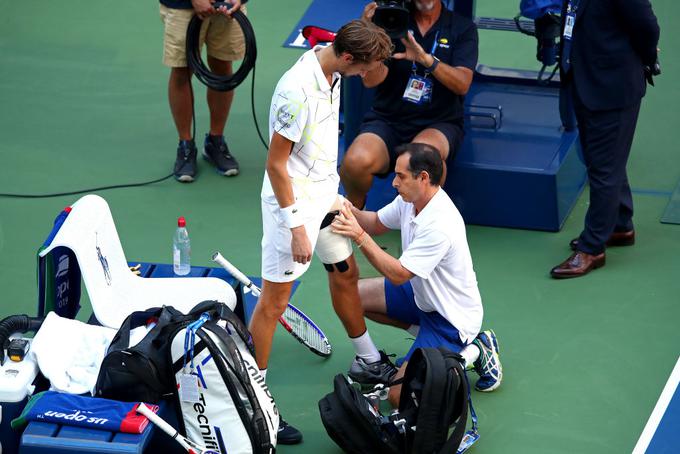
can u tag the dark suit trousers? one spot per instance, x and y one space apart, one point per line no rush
606 137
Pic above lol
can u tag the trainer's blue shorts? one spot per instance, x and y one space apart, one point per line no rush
435 330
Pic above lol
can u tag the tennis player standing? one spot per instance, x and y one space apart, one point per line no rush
301 181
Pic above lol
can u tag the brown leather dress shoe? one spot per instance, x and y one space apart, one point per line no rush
578 264
617 239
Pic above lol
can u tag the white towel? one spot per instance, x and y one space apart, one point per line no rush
70 352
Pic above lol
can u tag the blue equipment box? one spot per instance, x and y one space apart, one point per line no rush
50 438
517 167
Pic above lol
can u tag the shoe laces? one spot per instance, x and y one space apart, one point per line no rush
487 366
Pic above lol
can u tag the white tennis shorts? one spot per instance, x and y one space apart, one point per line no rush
277 258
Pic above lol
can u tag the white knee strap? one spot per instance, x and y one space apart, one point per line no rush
332 248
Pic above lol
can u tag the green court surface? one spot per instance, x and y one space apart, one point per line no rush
83 104
672 213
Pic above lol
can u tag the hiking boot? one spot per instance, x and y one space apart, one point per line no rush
216 152
381 371
287 434
488 365
185 164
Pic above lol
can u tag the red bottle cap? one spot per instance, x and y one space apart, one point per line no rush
181 222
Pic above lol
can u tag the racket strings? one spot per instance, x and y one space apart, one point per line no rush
306 331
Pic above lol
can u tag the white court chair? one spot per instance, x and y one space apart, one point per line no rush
114 290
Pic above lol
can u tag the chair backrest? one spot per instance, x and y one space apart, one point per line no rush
90 233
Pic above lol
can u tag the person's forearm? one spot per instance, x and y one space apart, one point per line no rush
368 220
280 181
456 79
387 265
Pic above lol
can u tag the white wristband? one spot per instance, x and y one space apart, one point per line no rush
291 216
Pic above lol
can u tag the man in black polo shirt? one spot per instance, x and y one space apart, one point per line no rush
419 95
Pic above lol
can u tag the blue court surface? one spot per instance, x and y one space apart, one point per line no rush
662 432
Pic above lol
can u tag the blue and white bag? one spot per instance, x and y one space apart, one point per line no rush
204 362
225 403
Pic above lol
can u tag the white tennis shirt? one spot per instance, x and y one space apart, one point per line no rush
435 249
305 110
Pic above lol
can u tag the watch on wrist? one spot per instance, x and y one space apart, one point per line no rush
435 62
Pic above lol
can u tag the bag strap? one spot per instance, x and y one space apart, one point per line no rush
121 340
453 443
222 312
435 390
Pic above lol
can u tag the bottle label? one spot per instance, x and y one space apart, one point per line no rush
176 257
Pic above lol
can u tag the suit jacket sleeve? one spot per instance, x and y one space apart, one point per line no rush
642 26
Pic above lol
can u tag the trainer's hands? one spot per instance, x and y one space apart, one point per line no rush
369 12
346 223
300 245
205 8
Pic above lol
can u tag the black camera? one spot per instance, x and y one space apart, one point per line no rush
392 16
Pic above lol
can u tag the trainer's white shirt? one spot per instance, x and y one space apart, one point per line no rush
436 251
305 110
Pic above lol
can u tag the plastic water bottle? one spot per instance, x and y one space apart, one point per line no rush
181 249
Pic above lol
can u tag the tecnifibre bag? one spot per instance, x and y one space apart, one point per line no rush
204 362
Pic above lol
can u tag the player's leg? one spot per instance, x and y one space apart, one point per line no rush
269 308
336 254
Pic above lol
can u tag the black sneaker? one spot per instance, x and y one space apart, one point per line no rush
185 164
288 435
216 152
381 371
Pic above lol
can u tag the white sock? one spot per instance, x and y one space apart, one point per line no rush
365 348
413 330
470 353
263 372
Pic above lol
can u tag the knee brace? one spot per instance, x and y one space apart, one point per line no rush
331 248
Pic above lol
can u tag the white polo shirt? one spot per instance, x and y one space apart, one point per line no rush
305 110
436 251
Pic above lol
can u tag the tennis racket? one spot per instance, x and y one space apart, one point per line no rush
190 446
293 319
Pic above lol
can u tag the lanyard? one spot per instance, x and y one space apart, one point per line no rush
190 339
434 49
572 6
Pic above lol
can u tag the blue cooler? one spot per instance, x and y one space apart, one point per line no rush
16 386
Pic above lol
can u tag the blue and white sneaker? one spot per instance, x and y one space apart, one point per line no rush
488 365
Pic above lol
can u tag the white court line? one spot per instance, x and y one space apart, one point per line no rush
659 410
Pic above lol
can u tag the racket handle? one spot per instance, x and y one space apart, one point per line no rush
157 420
224 263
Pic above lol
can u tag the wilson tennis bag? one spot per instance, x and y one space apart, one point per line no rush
431 418
204 361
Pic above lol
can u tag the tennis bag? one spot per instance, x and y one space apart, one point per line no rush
432 413
204 361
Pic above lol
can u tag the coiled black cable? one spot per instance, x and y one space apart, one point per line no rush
202 72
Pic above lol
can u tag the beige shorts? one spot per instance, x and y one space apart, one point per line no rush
222 35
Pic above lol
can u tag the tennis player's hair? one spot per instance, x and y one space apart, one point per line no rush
423 158
364 41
